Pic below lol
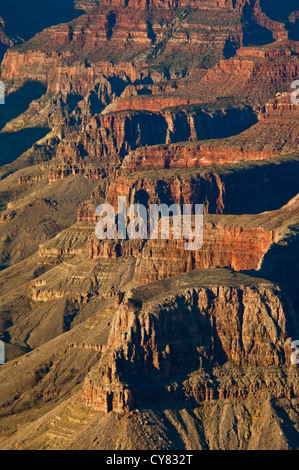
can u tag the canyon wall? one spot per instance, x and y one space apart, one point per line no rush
235 190
190 156
236 247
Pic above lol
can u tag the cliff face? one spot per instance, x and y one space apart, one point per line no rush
239 248
235 190
246 66
154 343
108 138
49 67
279 117
184 156
238 242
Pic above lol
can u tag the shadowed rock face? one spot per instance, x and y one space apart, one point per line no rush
236 191
141 344
23 19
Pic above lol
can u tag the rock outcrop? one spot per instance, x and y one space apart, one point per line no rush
158 340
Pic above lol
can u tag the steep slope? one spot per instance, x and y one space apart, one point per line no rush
215 394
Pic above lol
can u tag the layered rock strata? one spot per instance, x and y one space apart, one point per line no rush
239 248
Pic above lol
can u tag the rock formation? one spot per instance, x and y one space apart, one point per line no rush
156 342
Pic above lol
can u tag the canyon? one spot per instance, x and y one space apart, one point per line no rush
140 344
